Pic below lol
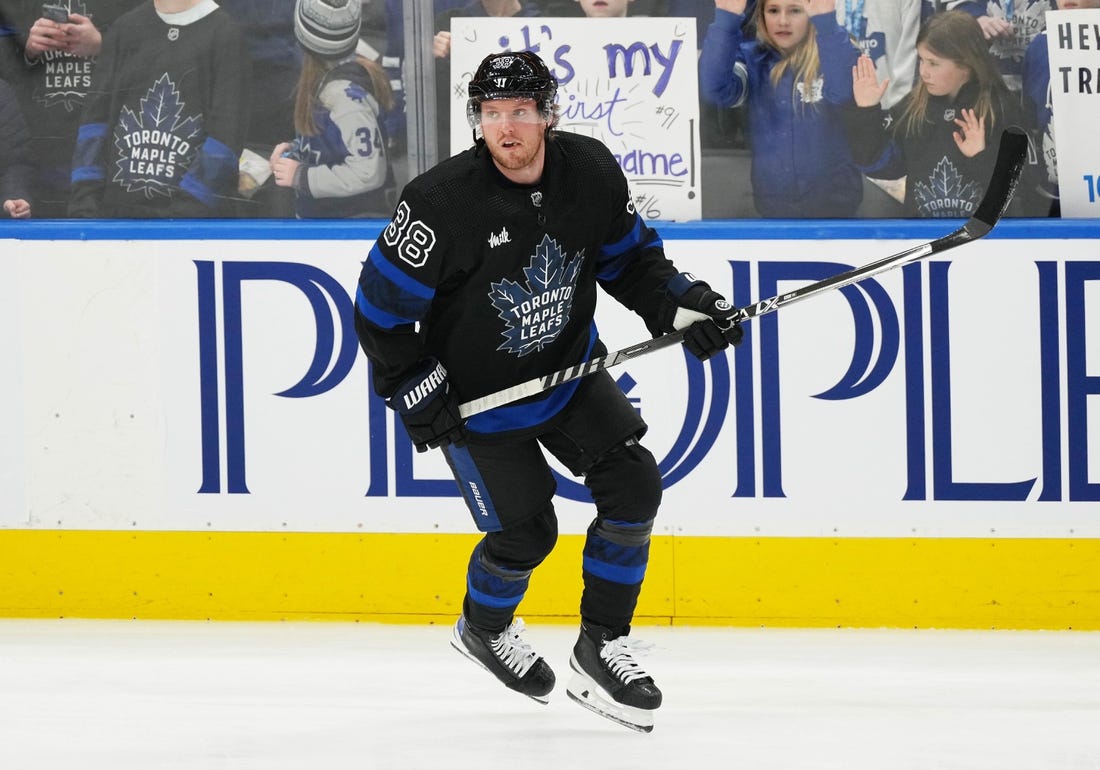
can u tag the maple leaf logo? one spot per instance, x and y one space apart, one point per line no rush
946 193
1026 22
816 90
156 146
535 315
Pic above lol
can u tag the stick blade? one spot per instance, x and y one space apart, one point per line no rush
1011 156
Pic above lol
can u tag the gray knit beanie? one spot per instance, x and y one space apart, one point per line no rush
328 28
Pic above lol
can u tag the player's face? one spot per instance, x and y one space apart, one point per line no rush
787 22
514 130
598 9
941 76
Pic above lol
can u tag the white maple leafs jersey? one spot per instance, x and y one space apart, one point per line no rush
498 281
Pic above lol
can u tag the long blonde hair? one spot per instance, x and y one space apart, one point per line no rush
308 91
956 35
803 61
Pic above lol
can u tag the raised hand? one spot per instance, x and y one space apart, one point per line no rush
733 6
865 86
818 7
971 134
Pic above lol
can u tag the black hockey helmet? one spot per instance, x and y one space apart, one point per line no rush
512 75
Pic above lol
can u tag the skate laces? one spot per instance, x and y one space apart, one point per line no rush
513 651
619 654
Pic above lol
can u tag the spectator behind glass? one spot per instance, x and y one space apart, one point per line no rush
1038 115
337 164
59 56
943 136
1009 26
15 171
441 49
276 61
164 122
795 79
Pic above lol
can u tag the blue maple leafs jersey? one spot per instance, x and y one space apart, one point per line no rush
499 281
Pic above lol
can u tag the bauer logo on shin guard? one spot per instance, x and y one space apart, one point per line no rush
425 389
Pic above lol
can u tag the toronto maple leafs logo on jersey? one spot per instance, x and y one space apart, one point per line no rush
534 315
158 143
817 89
1027 18
946 193
63 79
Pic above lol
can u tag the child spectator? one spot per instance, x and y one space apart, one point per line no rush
15 171
795 80
942 137
163 124
59 51
337 163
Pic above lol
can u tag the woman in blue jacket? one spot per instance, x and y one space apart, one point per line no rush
795 79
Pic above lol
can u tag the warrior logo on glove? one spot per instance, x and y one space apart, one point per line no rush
414 397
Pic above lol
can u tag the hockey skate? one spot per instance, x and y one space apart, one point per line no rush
507 657
610 682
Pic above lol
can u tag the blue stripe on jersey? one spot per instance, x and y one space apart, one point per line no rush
473 488
516 417
87 166
214 169
615 257
387 297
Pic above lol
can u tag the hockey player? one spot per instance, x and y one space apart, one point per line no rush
486 277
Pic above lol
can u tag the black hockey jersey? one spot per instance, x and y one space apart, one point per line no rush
498 281
940 180
163 126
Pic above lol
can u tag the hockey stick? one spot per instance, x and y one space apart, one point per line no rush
1006 175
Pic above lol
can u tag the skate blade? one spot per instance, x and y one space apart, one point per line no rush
584 691
458 645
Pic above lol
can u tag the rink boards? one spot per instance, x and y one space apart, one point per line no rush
190 433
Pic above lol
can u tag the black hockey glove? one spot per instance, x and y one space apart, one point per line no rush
702 312
428 408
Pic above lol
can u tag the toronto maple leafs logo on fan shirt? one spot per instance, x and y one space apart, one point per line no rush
158 143
63 79
534 315
946 193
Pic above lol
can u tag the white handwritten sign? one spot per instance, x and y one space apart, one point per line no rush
1073 42
631 83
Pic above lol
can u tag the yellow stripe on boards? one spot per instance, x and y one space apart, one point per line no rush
795 582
